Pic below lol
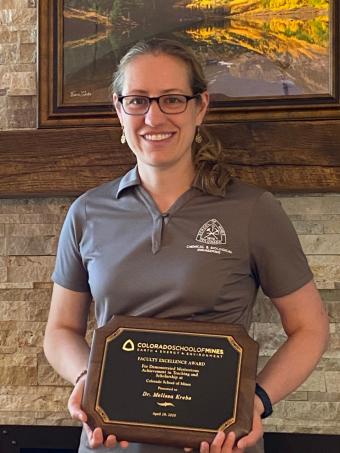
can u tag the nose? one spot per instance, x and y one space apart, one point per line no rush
154 116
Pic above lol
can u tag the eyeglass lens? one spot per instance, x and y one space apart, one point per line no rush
139 105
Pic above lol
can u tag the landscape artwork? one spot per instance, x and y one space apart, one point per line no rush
250 49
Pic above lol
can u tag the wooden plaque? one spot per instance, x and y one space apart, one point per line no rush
170 382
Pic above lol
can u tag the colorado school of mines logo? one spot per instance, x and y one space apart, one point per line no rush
212 232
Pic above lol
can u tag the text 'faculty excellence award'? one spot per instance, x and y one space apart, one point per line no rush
170 382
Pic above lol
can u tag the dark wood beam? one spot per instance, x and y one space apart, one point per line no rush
294 156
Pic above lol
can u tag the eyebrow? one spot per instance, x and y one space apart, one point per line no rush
171 90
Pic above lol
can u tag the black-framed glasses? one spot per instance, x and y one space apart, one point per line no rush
168 103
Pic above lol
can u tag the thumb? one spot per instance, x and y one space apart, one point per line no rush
74 403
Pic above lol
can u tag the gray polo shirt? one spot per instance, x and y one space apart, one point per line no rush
204 259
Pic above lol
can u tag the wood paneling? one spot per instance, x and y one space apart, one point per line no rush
296 156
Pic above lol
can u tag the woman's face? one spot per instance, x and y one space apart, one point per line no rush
156 138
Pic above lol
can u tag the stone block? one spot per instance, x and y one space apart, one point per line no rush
308 227
270 336
326 244
56 419
333 381
301 426
31 268
27 295
43 285
22 119
330 295
333 350
28 36
3 269
2 230
24 17
19 103
31 336
6 16
24 336
8 334
17 418
8 218
22 84
332 226
43 245
265 311
311 205
324 396
47 376
28 53
17 285
13 4
326 270
315 383
297 396
18 375
56 219
32 229
308 410
2 246
35 206
9 53
333 309
33 398
24 311
7 36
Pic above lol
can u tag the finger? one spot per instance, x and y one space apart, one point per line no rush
188 449
124 444
229 443
217 443
96 438
74 405
77 413
252 438
204 447
110 441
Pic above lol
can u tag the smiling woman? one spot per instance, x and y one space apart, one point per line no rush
177 237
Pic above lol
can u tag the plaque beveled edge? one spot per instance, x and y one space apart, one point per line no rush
232 342
175 437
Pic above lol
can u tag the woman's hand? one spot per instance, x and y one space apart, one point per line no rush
226 443
95 437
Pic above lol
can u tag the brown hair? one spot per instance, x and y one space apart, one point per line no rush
212 173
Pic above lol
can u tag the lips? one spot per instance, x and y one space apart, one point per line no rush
158 137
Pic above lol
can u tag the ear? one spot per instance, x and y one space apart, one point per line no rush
203 106
118 107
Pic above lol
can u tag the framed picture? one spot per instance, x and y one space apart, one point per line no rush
264 59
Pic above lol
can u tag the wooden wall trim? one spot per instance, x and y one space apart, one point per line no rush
296 156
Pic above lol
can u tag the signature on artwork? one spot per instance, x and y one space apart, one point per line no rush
80 94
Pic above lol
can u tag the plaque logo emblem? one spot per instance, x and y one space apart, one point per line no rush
212 232
128 346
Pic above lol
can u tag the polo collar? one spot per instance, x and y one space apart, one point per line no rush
130 179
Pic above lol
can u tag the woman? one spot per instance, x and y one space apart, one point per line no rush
131 244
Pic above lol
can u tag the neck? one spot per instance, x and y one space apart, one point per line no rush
166 185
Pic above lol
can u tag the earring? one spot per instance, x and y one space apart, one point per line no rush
122 137
198 136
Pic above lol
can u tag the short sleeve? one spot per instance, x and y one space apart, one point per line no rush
277 259
69 270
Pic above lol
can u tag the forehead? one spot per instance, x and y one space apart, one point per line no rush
154 74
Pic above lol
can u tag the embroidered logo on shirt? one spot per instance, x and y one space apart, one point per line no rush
212 232
213 235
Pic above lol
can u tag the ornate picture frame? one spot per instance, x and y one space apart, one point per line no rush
61 104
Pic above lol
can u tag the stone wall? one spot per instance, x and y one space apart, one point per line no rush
30 392
18 55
